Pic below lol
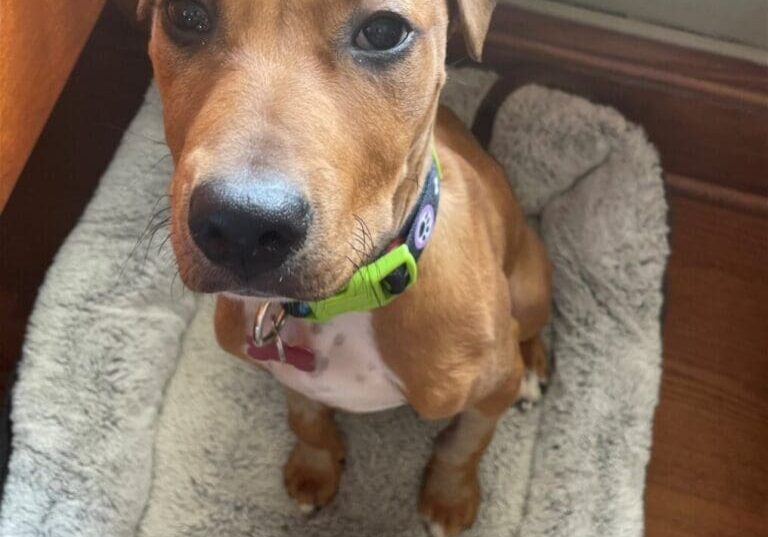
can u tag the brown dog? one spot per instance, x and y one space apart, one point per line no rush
302 133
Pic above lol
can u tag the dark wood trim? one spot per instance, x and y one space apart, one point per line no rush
707 114
39 44
743 202
6 432
101 97
544 36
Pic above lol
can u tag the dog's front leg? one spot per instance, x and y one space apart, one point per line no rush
450 495
313 470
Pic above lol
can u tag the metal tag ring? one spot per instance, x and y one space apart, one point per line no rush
280 349
260 339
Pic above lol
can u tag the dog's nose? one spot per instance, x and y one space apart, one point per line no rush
248 225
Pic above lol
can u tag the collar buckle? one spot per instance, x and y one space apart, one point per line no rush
368 288
398 281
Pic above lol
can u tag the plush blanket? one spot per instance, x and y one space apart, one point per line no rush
129 421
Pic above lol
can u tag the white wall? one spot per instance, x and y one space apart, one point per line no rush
731 27
742 21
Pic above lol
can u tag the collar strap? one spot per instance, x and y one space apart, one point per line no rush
377 284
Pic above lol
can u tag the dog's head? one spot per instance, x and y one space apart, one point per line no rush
300 131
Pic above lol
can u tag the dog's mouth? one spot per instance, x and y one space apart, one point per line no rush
300 285
280 286
292 294
303 278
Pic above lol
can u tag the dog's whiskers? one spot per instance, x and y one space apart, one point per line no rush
368 250
159 161
151 228
156 228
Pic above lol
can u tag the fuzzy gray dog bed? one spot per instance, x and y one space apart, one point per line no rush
130 422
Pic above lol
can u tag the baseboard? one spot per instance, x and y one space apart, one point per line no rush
729 198
707 114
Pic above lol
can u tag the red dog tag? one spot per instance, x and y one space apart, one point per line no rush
299 357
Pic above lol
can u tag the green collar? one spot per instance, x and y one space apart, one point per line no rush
377 284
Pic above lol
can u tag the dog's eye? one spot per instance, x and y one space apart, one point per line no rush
382 33
189 17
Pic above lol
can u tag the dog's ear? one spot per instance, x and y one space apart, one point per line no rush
474 18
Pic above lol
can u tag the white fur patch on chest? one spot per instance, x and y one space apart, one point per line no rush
349 374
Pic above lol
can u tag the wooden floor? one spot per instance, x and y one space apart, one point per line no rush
709 471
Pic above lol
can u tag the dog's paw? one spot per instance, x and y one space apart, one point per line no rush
448 519
536 359
536 376
448 511
312 477
434 529
530 390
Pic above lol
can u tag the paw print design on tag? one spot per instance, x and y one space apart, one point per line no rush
425 224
